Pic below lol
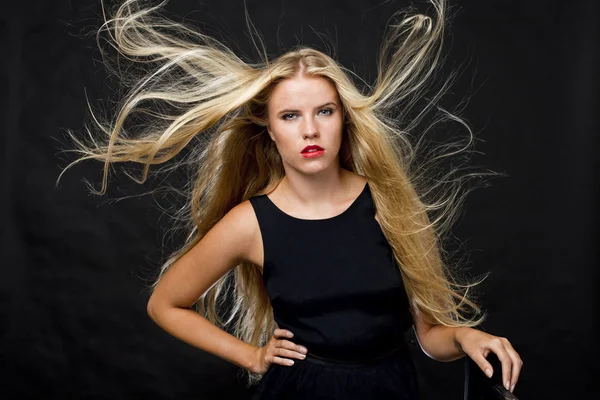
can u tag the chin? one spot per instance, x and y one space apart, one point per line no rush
312 167
315 168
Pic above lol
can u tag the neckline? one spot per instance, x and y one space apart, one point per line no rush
346 211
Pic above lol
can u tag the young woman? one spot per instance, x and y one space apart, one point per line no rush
304 202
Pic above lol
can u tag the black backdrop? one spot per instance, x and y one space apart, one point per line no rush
74 266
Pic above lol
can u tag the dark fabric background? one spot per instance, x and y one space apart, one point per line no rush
75 266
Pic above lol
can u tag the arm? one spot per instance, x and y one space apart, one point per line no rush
445 343
226 245
437 341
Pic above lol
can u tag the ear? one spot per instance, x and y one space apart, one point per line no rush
270 133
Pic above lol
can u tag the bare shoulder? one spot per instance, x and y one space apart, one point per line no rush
241 217
231 241
241 225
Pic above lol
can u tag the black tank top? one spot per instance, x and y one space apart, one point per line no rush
333 282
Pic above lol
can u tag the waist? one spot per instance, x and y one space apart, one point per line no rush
359 361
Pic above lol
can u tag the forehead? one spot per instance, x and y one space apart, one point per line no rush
302 91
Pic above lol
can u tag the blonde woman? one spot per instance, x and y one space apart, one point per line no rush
305 203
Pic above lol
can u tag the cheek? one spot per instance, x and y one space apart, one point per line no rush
284 140
283 132
336 128
276 132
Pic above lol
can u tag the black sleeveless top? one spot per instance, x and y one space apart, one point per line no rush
333 282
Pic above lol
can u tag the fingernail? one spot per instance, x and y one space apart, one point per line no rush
290 362
512 388
302 356
488 372
303 349
290 334
507 385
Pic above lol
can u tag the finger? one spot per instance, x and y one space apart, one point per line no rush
286 344
282 361
290 354
486 352
497 346
517 364
283 333
276 342
483 364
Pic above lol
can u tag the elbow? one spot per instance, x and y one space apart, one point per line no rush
423 345
428 354
434 356
153 308
157 308
420 341
431 347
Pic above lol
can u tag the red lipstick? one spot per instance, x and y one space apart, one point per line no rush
312 151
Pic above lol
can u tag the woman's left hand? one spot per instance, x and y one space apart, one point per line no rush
478 345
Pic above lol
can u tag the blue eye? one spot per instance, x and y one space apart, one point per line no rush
292 116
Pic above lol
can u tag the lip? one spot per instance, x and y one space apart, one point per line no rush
313 154
312 146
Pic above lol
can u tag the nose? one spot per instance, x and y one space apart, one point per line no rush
310 129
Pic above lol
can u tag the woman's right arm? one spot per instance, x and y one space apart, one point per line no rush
226 245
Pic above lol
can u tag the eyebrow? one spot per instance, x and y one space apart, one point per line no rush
289 110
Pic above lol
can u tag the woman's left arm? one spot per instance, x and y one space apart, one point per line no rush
445 343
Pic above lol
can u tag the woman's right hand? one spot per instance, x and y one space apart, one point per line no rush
278 350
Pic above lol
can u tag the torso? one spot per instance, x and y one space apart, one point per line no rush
255 255
332 280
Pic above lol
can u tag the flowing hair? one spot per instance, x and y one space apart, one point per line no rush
196 90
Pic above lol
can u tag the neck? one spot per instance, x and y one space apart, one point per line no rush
318 189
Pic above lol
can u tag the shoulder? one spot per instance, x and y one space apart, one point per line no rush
241 218
239 228
360 182
227 243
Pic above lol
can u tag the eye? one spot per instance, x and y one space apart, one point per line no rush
287 117
326 111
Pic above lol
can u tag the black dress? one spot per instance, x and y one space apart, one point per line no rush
334 283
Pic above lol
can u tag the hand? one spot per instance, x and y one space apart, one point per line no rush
478 345
275 350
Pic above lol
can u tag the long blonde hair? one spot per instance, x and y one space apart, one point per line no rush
200 95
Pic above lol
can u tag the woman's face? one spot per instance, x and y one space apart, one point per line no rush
306 111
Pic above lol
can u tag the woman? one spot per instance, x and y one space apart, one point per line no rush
306 204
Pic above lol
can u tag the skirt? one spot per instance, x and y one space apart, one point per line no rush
391 376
